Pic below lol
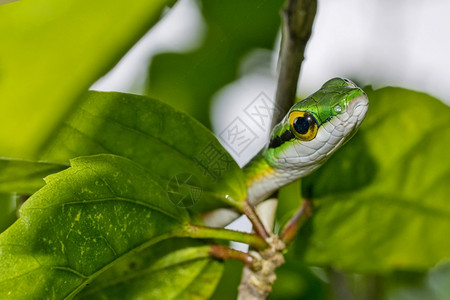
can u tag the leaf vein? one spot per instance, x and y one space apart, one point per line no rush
100 200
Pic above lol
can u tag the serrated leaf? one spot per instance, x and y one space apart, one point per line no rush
25 177
170 144
383 198
84 220
52 51
186 272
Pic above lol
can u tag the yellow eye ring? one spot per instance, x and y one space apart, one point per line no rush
303 125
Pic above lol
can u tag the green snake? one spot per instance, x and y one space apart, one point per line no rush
306 137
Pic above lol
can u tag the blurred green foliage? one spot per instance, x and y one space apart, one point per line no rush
234 28
51 52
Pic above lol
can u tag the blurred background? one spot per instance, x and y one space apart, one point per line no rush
221 57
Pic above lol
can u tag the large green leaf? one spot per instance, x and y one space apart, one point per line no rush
165 141
51 52
84 220
186 272
234 28
384 197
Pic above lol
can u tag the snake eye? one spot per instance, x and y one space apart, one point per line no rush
303 125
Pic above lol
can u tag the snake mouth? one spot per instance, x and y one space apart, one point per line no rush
358 107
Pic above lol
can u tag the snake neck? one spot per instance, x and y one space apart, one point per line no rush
264 176
257 169
261 178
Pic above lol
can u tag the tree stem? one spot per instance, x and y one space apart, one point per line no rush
298 17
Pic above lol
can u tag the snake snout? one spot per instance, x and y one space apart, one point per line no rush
358 107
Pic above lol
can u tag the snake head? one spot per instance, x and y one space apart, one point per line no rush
316 127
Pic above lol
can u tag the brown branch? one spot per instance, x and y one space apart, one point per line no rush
300 217
224 252
298 17
258 226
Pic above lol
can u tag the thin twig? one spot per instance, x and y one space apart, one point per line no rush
290 230
298 18
224 252
258 226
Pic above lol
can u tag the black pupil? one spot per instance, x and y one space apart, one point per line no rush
302 124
